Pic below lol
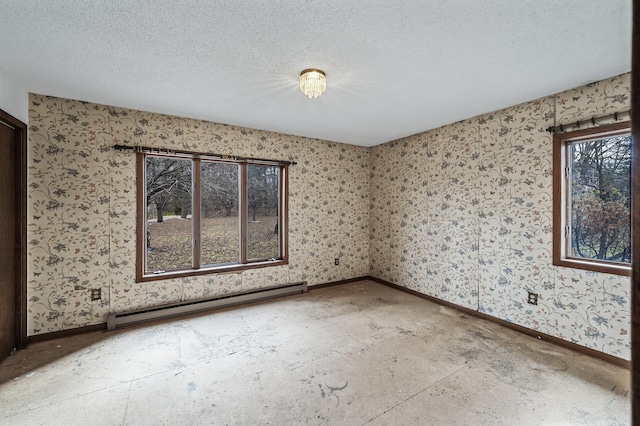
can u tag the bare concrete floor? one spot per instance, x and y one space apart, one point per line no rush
354 354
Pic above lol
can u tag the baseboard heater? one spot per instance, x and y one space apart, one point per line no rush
123 319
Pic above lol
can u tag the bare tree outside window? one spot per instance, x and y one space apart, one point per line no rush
592 199
601 199
204 215
262 202
169 193
220 220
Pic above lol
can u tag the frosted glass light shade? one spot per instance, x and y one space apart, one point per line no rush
313 83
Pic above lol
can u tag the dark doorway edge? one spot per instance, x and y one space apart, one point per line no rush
21 218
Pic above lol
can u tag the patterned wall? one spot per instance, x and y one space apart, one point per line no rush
82 210
464 213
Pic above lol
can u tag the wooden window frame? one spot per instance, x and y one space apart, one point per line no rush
244 263
561 142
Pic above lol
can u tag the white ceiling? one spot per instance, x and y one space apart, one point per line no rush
394 67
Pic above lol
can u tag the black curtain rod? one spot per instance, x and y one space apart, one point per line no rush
176 151
593 120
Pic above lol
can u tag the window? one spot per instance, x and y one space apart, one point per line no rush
201 215
592 199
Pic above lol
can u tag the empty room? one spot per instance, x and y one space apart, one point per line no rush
317 212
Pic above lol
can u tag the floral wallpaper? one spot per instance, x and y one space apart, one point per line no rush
82 210
464 213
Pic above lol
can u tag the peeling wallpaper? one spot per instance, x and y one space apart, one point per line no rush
464 213
82 210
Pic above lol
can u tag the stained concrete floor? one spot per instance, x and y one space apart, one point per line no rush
354 354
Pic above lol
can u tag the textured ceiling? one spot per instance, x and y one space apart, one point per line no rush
394 67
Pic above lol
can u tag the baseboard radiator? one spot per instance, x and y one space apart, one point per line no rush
123 319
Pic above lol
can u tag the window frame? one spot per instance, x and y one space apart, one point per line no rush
561 142
197 269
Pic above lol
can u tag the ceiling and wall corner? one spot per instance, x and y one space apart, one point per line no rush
394 68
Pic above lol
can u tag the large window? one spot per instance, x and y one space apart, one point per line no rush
199 215
592 199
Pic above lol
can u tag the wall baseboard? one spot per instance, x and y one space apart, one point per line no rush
66 333
340 282
621 362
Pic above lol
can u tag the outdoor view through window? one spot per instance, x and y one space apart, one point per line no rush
169 191
601 198
194 213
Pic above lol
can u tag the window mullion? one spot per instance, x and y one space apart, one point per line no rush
195 215
242 207
141 229
283 200
568 217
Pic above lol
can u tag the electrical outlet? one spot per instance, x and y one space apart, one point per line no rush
96 294
337 261
532 299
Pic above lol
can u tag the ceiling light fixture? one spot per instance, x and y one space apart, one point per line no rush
313 82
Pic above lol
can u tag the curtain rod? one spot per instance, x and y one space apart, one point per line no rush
137 148
593 120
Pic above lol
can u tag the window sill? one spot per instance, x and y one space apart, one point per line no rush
227 269
595 266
